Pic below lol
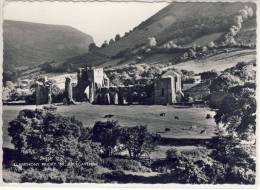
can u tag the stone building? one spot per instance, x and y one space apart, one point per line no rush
43 91
89 81
168 88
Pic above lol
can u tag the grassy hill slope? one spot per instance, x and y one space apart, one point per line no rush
183 23
27 44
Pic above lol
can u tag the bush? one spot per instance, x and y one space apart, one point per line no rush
124 164
44 136
195 169
162 166
223 82
172 154
113 176
53 175
209 75
46 175
237 159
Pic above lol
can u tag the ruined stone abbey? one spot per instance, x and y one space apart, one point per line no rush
94 87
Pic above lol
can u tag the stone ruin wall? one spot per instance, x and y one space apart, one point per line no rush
93 86
123 95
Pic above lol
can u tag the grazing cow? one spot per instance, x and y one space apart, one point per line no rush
203 131
176 117
193 127
208 116
162 114
108 116
167 129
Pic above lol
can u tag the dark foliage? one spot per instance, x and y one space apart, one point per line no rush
10 76
209 75
138 141
108 134
45 137
237 112
124 164
237 159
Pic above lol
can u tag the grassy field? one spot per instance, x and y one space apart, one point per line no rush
219 62
189 125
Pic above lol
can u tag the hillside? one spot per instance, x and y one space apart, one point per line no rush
186 23
180 22
217 62
29 44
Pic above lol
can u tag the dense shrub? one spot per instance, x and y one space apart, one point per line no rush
113 176
44 136
46 175
53 175
10 75
237 158
202 171
237 113
244 70
237 117
223 82
209 75
190 167
124 164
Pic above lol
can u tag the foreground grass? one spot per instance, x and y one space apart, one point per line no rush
189 125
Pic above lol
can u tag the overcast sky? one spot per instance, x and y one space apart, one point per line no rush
101 20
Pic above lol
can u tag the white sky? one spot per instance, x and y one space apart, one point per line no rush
101 20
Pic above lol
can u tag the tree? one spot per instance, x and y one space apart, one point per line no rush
152 42
111 41
107 133
47 67
244 70
43 136
105 44
236 158
92 47
237 115
208 75
9 84
138 141
224 82
211 44
199 170
238 112
186 72
117 38
10 76
192 53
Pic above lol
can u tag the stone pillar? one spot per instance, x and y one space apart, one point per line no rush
49 89
68 91
91 92
38 93
121 96
107 98
116 98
